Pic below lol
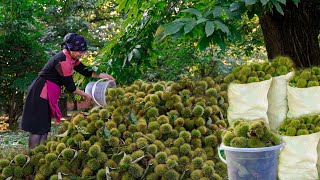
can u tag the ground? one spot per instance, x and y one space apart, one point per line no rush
14 142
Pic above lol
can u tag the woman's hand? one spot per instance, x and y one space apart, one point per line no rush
88 97
106 76
102 76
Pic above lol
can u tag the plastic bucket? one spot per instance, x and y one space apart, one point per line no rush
98 90
251 163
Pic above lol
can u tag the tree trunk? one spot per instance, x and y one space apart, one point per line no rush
62 103
295 34
14 109
75 104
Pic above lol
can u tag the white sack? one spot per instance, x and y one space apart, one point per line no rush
277 99
303 101
298 159
248 101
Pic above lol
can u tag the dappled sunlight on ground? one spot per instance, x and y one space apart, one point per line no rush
15 142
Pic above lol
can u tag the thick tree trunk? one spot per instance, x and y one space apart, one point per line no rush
295 34
14 109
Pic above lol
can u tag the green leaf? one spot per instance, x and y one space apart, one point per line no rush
264 2
81 130
173 27
217 11
183 20
125 166
204 42
106 133
118 157
201 20
161 5
296 2
209 122
220 100
208 13
234 7
222 44
188 27
136 53
250 14
278 7
132 118
222 26
122 5
160 34
250 2
178 35
130 55
209 28
193 11
282 1
135 12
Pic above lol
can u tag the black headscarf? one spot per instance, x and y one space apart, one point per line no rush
74 42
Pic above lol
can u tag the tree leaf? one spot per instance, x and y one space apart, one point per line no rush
250 2
193 11
204 42
118 157
282 1
132 118
264 2
201 20
122 5
209 28
250 14
136 53
188 27
160 33
234 6
173 27
178 35
222 44
217 11
183 20
220 100
278 7
130 55
222 26
209 122
161 4
207 13
124 61
296 2
106 133
135 11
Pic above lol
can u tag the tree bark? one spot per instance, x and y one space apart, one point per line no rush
294 34
14 109
75 104
62 103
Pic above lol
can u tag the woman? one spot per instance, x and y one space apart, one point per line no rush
43 94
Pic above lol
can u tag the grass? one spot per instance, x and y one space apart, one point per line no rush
16 142
12 143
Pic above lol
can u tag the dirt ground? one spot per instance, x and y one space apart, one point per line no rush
81 105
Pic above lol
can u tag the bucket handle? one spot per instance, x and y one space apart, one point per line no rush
94 88
220 156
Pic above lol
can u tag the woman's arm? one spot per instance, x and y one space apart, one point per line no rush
87 96
102 75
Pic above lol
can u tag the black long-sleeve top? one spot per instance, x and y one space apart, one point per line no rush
59 71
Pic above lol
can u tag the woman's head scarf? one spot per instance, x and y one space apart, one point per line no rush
74 42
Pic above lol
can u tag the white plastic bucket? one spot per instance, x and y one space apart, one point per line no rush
251 163
98 90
